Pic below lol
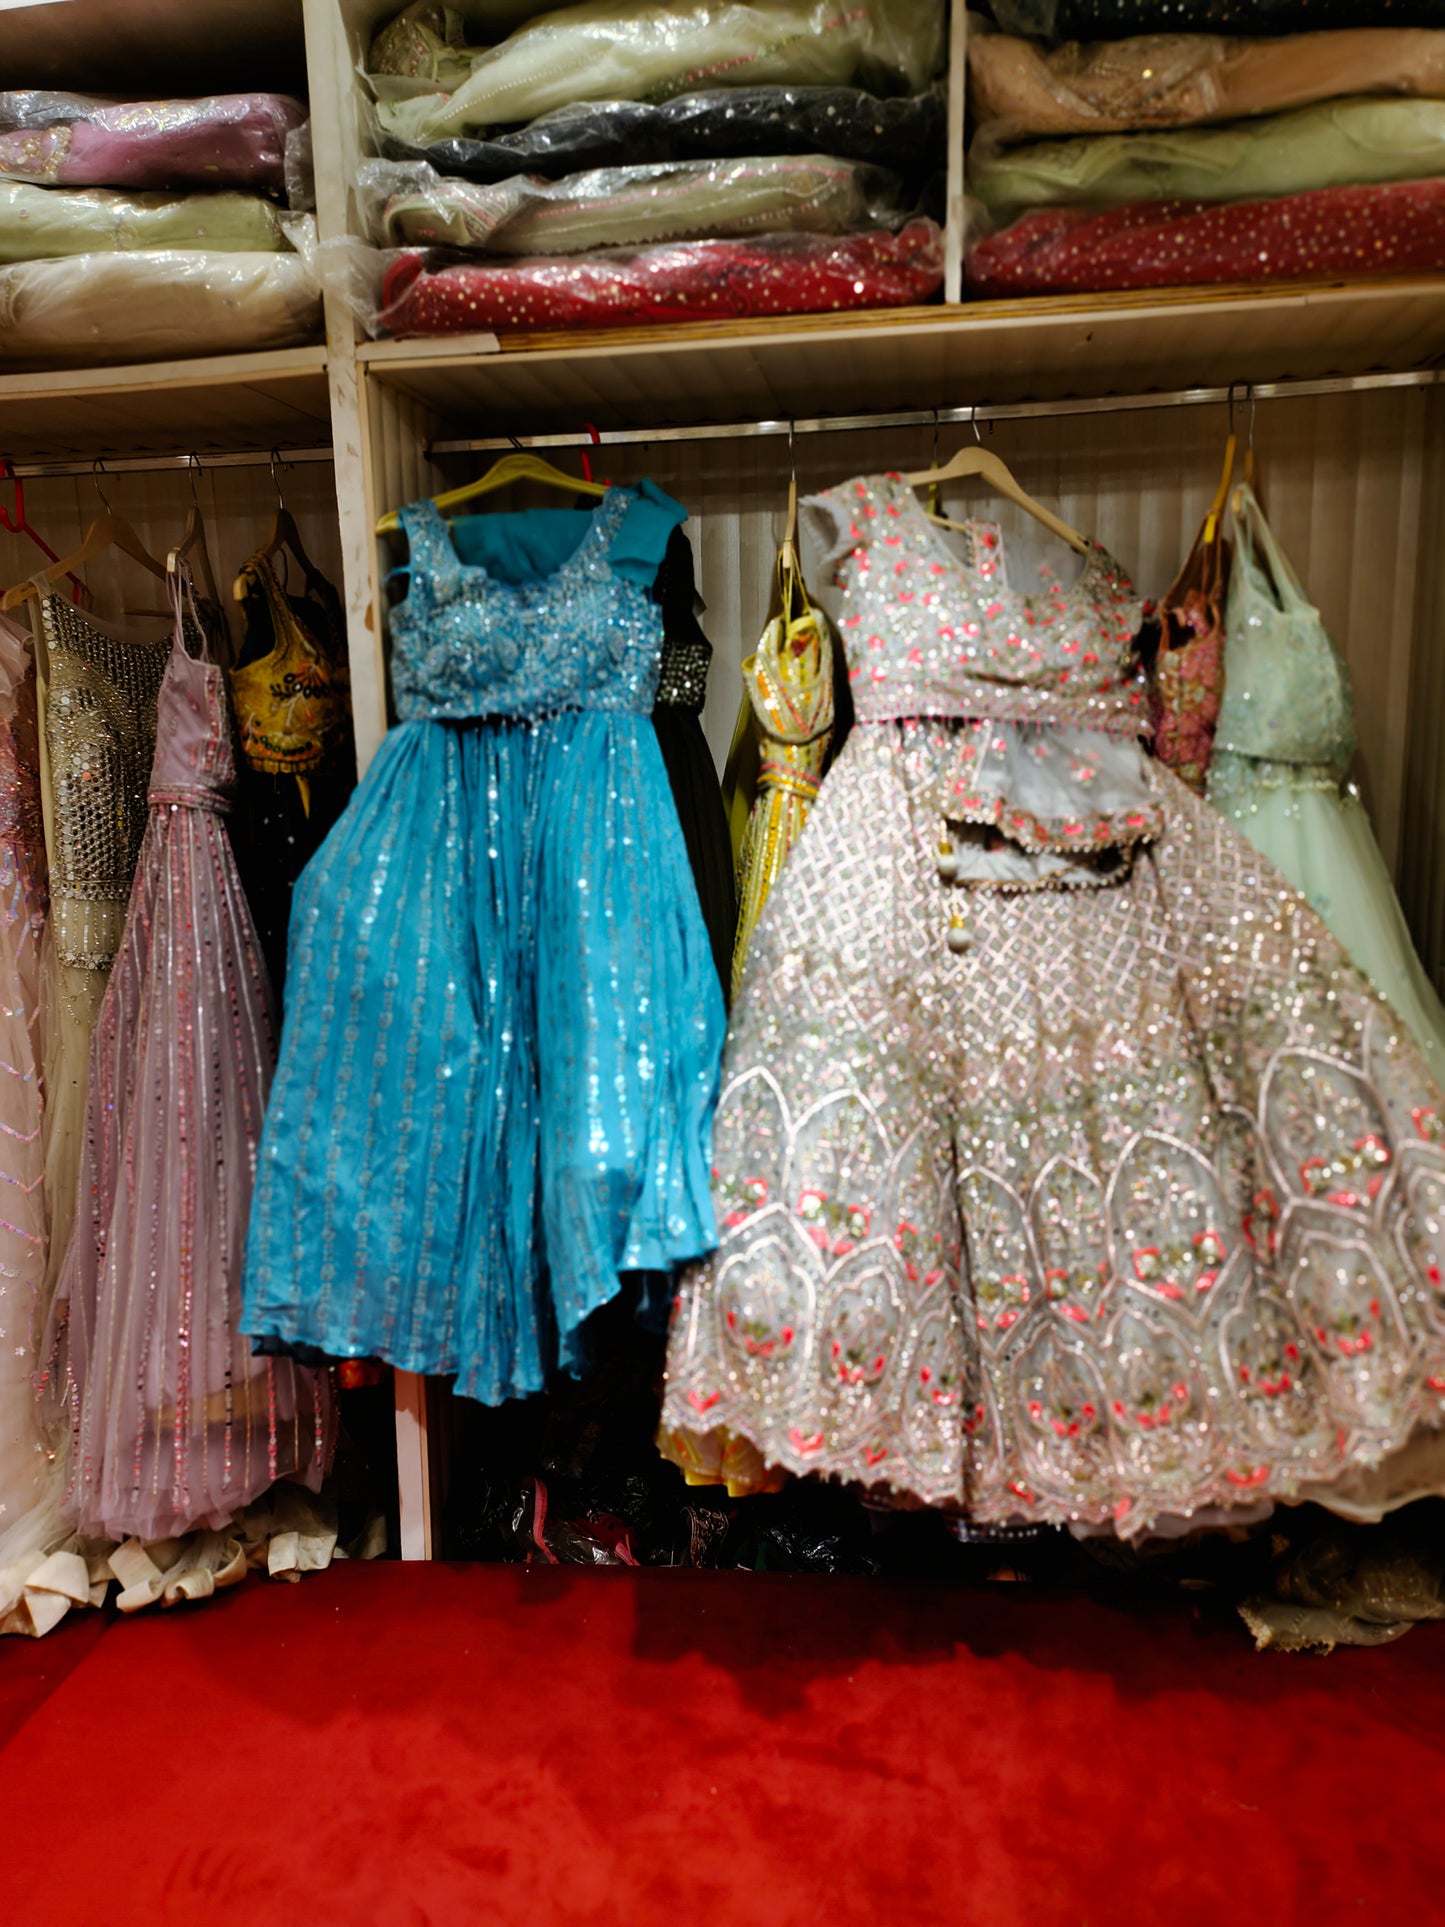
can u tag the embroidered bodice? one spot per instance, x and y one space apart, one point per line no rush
1287 697
291 700
1026 703
101 736
522 614
932 631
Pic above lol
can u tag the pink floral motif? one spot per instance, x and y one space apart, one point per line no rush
742 1196
834 1227
1337 1179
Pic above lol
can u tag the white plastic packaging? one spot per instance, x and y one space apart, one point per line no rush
411 205
635 50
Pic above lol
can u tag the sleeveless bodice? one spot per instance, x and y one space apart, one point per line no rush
585 634
195 764
1286 691
291 702
100 736
929 632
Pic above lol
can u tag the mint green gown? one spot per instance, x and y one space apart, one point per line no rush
1282 755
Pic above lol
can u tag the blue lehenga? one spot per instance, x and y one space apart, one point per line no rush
500 1056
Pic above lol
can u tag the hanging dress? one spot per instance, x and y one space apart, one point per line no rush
97 687
500 1053
32 1478
677 718
291 694
1065 1170
174 1424
1281 772
789 684
1188 676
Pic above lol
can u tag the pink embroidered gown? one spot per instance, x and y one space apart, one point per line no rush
175 1424
1066 1170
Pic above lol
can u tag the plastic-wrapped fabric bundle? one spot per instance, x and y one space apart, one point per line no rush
1113 19
685 281
41 223
1348 143
632 49
148 305
629 206
908 132
1018 90
71 140
1391 229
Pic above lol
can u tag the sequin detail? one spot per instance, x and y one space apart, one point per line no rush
173 1424
501 1048
684 281
1353 231
1123 1207
101 736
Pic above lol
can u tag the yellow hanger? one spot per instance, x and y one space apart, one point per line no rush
519 467
972 459
1216 507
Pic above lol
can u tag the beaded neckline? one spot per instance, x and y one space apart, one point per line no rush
600 531
1094 557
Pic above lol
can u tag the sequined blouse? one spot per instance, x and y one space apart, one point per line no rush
931 633
1036 770
585 634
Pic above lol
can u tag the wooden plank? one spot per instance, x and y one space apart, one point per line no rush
225 402
953 231
145 49
929 357
368 429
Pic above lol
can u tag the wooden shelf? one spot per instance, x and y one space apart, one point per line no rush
277 398
996 351
145 49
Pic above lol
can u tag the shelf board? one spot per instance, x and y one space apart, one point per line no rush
146 49
997 351
277 398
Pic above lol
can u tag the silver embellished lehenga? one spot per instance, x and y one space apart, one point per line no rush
1065 1169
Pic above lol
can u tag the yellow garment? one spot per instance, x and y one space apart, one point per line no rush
790 689
721 1458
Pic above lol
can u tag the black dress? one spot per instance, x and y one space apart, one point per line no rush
676 716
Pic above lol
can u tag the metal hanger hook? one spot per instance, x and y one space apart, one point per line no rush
275 477
973 424
792 453
194 472
934 463
1249 430
97 470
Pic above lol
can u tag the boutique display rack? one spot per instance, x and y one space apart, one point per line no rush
389 412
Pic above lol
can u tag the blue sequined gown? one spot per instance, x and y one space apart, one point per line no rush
501 1048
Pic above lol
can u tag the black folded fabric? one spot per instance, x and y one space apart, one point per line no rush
909 134
1113 19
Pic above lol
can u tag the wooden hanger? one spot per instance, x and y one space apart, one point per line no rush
518 467
110 531
973 459
192 548
1216 507
284 535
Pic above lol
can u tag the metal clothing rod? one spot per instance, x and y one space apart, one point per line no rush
1238 392
135 464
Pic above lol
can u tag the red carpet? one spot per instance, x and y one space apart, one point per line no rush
417 1746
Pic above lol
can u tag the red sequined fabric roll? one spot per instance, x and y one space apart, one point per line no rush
1391 229
691 281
